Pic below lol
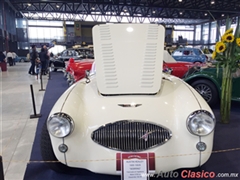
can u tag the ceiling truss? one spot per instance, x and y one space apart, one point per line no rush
153 11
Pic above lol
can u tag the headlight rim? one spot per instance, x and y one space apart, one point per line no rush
67 117
196 112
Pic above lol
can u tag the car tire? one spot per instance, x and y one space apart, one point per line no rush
48 154
21 60
207 90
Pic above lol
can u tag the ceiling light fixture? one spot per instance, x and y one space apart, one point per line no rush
205 14
222 14
179 0
93 8
29 4
125 10
57 6
212 2
180 13
154 12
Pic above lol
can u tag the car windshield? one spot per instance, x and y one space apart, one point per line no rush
177 53
168 58
85 51
93 69
200 51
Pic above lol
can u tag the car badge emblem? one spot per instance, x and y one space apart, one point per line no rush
145 136
130 105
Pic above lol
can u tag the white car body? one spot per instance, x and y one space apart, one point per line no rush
132 96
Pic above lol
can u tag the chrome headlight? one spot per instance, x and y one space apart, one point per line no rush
201 123
60 125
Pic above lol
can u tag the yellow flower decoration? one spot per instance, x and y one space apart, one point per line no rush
229 31
238 41
222 38
214 54
218 43
228 37
220 47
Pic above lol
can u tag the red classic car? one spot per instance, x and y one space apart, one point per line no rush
75 70
178 68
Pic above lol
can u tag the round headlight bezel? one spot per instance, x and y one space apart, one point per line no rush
65 117
190 117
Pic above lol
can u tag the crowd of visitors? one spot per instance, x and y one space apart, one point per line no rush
39 60
9 57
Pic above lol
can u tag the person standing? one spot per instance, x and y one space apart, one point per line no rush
14 58
33 57
47 59
10 58
43 58
2 57
3 65
38 66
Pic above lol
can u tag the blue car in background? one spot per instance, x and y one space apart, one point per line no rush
22 59
187 54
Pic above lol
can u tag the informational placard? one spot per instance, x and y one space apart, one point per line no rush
134 169
135 166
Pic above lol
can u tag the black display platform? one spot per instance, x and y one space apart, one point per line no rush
226 138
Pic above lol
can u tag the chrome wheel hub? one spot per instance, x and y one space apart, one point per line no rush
204 91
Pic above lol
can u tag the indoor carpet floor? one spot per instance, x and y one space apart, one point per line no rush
224 159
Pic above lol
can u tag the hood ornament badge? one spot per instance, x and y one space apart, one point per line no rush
130 105
145 136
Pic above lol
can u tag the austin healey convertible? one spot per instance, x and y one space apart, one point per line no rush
128 110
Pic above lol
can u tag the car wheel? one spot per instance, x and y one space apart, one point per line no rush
21 60
207 90
48 154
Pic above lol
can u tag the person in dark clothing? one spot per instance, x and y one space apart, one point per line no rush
10 58
3 65
33 57
2 57
47 59
43 58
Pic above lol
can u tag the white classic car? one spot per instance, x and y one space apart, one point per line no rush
128 108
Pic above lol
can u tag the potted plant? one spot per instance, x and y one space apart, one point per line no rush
227 55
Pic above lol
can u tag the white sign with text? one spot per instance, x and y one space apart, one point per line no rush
134 169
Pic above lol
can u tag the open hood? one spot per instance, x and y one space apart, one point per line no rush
128 58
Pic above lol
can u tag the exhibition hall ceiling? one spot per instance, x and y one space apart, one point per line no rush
160 11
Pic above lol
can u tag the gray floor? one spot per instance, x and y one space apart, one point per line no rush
17 129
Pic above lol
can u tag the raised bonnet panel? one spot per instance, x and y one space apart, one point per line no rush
128 58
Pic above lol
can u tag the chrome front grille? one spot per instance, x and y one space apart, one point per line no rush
130 135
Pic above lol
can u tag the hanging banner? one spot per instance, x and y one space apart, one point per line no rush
64 29
77 28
